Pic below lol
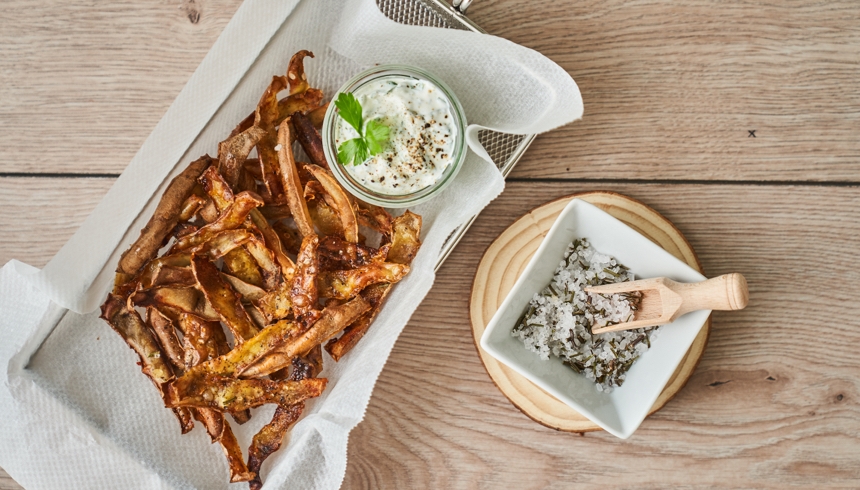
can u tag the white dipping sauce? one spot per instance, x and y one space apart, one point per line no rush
422 135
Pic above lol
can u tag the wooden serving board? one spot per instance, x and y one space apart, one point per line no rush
504 261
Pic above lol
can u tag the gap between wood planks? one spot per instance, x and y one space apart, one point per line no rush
805 183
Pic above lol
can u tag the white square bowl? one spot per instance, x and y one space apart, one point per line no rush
621 411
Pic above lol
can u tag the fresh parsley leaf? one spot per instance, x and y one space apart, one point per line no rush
376 134
371 139
350 110
352 151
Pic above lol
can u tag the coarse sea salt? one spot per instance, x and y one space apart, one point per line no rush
559 319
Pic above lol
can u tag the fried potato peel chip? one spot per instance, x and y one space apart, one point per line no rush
185 417
223 299
268 249
168 275
325 219
332 320
296 72
270 437
351 255
164 331
307 101
247 291
405 241
373 217
347 283
238 470
201 340
190 207
290 180
375 295
303 290
232 217
238 359
277 304
241 264
223 242
163 220
273 243
336 197
310 139
230 394
128 324
316 116
187 299
407 229
233 152
265 117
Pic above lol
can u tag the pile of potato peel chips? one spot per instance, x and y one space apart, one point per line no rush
249 266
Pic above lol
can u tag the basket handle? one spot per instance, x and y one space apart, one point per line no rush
461 5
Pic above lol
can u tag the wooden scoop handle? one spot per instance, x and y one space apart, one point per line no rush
726 292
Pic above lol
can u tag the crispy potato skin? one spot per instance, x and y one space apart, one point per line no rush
231 394
332 320
223 299
375 295
310 139
234 362
187 299
269 438
238 470
241 264
229 230
164 219
338 200
163 329
128 324
346 284
405 241
232 217
303 289
406 232
296 72
291 183
233 152
316 116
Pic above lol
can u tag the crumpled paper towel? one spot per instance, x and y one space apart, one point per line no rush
77 413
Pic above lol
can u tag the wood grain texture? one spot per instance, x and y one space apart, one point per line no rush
672 88
7 483
82 84
40 215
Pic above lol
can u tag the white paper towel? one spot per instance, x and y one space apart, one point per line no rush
77 413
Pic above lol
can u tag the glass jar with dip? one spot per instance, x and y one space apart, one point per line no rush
426 144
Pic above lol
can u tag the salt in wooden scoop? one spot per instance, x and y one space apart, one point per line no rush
663 300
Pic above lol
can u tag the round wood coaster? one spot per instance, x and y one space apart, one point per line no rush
504 261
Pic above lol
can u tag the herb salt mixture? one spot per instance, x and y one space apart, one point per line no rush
559 318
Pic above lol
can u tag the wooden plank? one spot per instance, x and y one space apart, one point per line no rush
40 215
7 483
768 406
84 83
762 409
671 89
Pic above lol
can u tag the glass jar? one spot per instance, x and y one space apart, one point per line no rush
353 184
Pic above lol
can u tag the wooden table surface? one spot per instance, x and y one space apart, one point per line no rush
739 121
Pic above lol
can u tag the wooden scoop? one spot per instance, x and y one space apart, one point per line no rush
664 300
